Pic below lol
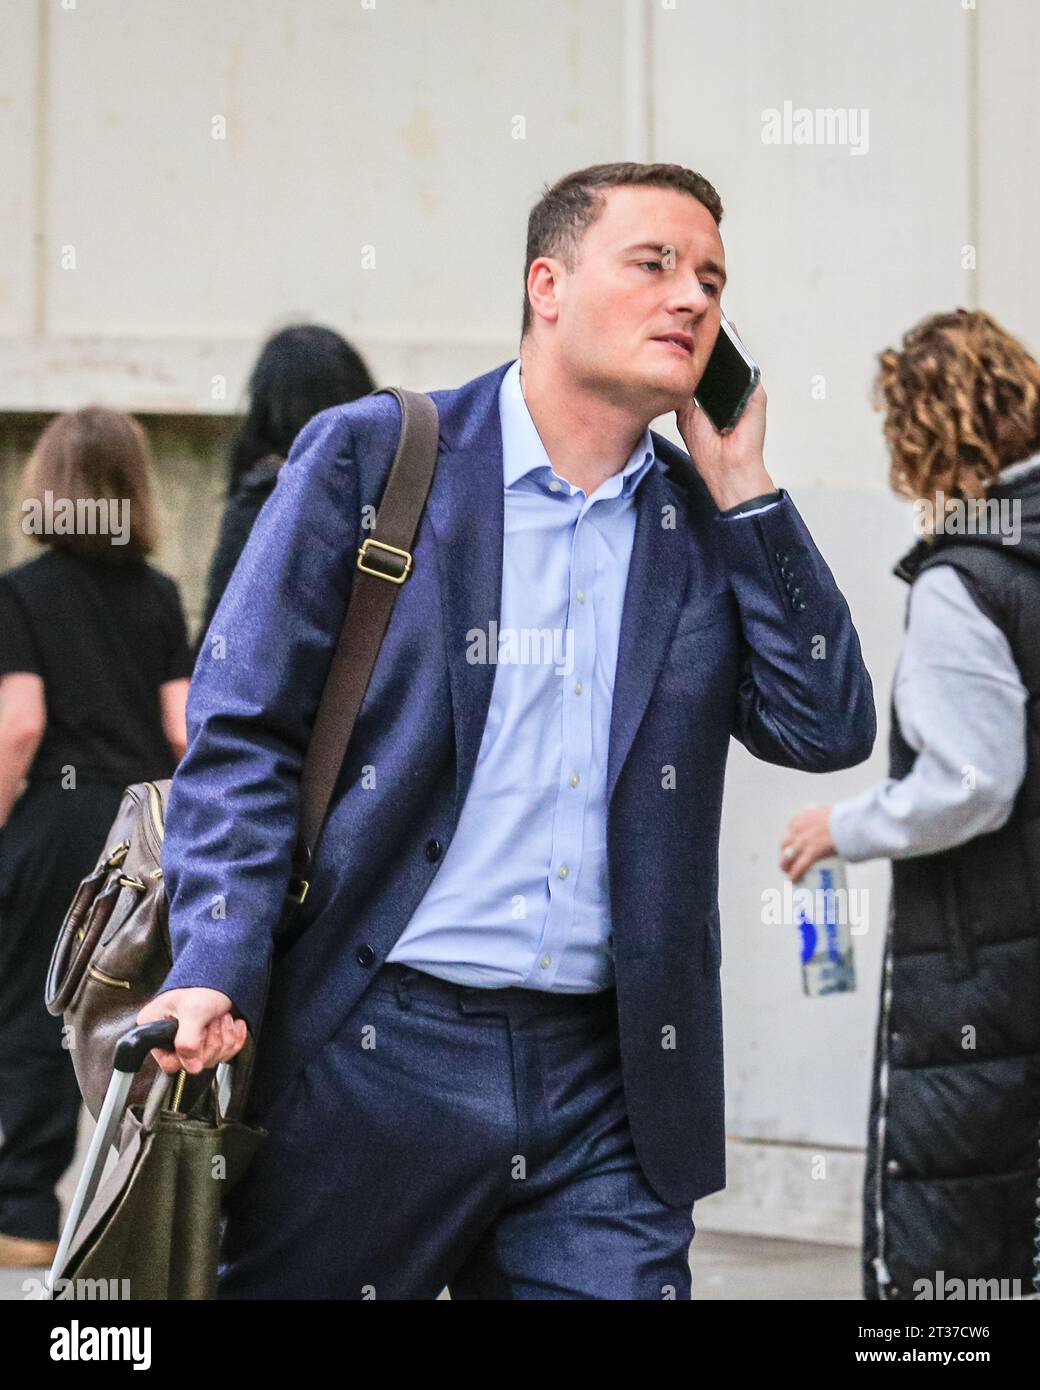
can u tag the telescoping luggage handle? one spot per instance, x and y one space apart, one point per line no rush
131 1050
384 556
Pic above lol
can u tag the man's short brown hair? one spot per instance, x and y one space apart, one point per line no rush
563 214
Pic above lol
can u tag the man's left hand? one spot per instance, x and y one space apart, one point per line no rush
806 839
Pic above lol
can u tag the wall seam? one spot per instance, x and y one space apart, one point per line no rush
40 172
973 154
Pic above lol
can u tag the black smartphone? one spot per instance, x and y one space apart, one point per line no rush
728 381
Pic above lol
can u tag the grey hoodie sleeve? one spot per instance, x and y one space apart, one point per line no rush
961 707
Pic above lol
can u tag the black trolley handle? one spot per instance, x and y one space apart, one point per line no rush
131 1050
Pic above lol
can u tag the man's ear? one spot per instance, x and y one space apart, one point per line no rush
549 273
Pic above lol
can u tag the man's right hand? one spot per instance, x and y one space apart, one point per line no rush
206 1032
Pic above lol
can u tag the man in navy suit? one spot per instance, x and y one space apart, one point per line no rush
492 1060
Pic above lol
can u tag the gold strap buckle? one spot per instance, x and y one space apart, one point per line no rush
368 544
297 890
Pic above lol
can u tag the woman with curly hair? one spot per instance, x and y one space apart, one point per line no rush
951 1180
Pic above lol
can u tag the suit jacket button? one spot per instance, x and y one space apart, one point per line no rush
365 955
782 557
799 605
433 850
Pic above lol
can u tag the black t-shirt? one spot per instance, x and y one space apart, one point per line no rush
103 638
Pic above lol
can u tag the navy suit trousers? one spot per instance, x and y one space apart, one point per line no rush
448 1136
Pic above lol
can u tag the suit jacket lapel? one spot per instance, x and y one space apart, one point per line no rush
466 508
653 594
466 511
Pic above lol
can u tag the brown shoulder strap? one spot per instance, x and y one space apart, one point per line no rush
384 562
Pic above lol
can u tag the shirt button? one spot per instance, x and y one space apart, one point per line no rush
580 595
575 779
577 687
545 962
564 871
555 485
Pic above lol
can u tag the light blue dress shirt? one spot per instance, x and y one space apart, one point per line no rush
522 896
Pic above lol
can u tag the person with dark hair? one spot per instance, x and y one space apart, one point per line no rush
491 1056
952 1160
94 668
301 370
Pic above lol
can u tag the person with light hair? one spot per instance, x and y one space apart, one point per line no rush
94 667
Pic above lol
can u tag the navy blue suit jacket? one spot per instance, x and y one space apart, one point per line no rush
711 645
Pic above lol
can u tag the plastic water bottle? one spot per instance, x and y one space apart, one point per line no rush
823 919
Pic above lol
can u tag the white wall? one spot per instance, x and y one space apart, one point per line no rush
425 129
392 127
831 255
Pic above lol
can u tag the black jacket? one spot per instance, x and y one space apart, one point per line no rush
242 509
952 1157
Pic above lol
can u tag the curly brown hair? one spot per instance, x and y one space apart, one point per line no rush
961 402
